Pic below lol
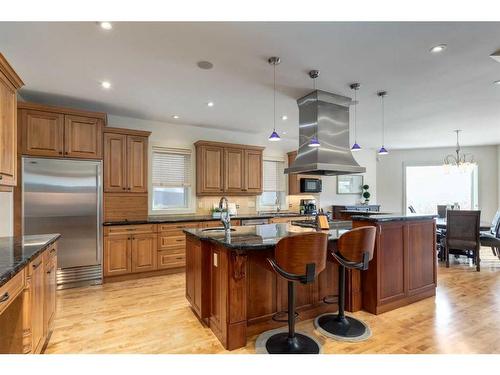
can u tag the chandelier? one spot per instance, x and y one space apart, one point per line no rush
460 160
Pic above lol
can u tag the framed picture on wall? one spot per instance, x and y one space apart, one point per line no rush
350 184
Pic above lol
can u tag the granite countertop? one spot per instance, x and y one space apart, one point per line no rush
183 218
392 217
258 237
360 212
17 252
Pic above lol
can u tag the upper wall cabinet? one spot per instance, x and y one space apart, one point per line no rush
9 84
223 168
61 132
125 161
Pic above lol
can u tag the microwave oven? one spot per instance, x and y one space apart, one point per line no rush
310 185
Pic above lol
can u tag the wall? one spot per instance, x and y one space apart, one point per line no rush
6 214
390 175
183 136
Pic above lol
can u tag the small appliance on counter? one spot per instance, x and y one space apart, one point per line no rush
308 207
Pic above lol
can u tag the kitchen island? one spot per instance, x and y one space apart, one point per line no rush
233 290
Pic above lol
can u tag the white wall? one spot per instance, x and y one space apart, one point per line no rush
6 214
390 175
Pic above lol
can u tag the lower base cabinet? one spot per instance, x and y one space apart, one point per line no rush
144 252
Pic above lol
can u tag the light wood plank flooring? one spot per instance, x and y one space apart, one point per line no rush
152 316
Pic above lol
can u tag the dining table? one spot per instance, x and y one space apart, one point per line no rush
441 224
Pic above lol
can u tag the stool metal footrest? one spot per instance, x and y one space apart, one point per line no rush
274 317
331 300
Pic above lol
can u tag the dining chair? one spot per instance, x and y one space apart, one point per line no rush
491 238
441 210
462 235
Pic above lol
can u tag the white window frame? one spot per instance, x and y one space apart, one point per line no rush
261 207
475 182
191 194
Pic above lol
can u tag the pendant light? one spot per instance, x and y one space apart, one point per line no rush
274 137
314 140
383 150
355 87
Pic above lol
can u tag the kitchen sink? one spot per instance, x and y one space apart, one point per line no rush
216 229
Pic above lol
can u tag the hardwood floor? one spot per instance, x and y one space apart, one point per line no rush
152 316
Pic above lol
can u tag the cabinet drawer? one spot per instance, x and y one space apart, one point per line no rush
166 241
10 290
168 259
129 229
176 229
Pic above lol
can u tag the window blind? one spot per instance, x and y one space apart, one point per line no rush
274 175
171 167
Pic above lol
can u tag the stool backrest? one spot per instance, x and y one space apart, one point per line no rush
352 244
293 253
495 223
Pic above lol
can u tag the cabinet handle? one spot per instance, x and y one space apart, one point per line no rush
124 188
49 272
60 152
53 250
1 176
179 258
180 240
5 297
36 265
128 238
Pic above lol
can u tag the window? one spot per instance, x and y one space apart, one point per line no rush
430 185
171 181
274 185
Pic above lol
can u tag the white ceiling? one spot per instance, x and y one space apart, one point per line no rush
152 67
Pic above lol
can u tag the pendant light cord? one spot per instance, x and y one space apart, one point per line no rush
383 122
274 93
355 115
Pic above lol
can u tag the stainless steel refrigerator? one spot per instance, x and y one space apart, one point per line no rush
64 196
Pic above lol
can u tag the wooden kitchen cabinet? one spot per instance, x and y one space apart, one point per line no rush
223 168
125 161
117 255
9 84
82 137
60 132
50 286
144 256
37 304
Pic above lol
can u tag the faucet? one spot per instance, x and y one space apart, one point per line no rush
225 218
277 204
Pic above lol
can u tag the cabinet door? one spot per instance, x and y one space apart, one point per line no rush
117 260
50 295
37 304
209 170
234 164
144 252
253 171
8 132
82 137
193 274
293 179
43 133
137 163
115 162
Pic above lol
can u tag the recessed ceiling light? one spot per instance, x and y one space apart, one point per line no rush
438 48
106 85
284 117
106 25
497 82
210 104
206 65
176 116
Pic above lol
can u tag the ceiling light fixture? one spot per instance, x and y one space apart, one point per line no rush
106 25
382 150
176 116
438 48
205 65
314 140
497 82
274 137
462 161
210 104
355 87
106 84
284 117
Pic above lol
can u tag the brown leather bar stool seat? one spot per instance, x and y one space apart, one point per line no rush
299 258
354 251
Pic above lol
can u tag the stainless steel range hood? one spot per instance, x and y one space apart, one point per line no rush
326 116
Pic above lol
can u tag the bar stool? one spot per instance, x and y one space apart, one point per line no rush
298 258
354 251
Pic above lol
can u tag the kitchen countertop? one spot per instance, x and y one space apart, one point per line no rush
258 237
17 252
392 217
183 218
364 212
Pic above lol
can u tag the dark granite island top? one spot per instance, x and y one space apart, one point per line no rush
17 252
258 237
392 217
